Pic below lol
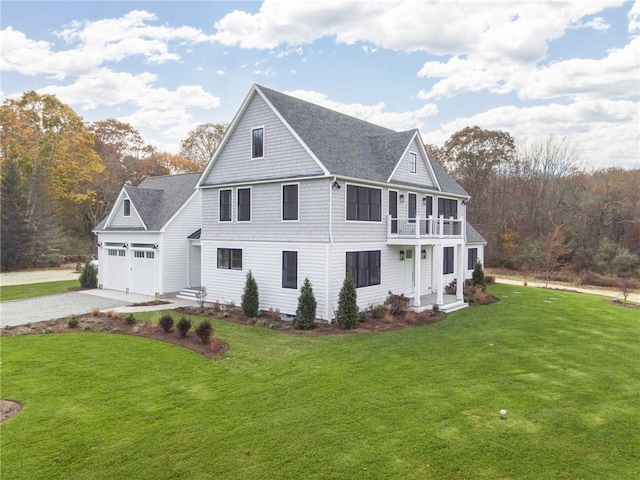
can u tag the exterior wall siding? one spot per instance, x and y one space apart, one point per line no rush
120 221
284 156
422 175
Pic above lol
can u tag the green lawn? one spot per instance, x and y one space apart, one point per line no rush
17 292
414 404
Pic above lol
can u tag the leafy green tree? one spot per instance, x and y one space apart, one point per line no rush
250 297
347 314
306 312
14 232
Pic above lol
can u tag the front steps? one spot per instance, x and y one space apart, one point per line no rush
188 294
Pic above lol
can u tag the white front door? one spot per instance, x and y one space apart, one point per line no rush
409 271
142 272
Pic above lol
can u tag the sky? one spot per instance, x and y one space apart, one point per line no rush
534 68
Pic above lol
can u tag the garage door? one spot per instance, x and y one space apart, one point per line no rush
143 272
114 266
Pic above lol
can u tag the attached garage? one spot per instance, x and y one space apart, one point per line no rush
143 271
114 275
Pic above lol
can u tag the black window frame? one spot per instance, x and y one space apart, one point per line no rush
448 260
428 209
290 207
225 213
365 267
364 204
229 258
447 207
413 162
243 211
126 208
257 142
472 258
290 269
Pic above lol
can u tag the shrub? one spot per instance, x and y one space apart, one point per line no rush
625 286
95 311
129 318
184 324
347 314
89 276
201 295
376 311
166 323
396 304
204 331
73 321
490 279
451 288
436 309
274 314
250 297
478 276
306 312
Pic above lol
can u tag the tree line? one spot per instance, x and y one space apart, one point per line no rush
61 176
536 208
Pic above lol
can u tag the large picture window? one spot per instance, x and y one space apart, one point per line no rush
244 204
364 204
257 143
364 267
447 261
230 258
225 205
290 202
472 258
289 269
447 207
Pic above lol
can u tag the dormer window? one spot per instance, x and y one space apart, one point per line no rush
257 143
127 208
413 162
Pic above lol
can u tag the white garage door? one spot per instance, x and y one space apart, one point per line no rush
114 269
143 272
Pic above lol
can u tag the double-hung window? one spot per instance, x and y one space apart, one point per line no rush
290 202
289 269
230 258
257 143
244 204
364 204
413 162
225 205
447 261
127 207
364 267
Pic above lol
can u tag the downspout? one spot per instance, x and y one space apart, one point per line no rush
328 253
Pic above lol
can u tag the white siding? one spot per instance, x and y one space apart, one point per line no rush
422 175
283 157
120 221
346 231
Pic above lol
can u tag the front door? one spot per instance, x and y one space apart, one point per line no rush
409 272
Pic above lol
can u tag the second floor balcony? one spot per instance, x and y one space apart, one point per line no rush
425 228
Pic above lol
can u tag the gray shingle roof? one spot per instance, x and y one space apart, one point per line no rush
157 199
473 236
348 146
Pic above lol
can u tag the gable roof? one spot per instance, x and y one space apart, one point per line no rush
344 145
473 236
157 199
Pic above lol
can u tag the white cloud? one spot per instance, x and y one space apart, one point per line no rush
634 17
371 113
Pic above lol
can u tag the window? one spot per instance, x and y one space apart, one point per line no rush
244 204
149 254
289 269
225 205
447 261
429 206
413 163
257 143
230 258
112 252
364 267
121 253
364 204
127 207
412 208
290 202
472 258
447 207
138 254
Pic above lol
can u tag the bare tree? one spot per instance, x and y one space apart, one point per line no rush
202 142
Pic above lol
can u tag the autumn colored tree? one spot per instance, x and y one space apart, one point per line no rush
202 142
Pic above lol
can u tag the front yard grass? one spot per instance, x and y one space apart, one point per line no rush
17 292
418 403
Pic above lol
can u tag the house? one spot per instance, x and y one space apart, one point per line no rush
144 245
297 190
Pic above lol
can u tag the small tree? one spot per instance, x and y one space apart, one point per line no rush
347 314
478 276
201 296
625 286
89 276
250 297
306 312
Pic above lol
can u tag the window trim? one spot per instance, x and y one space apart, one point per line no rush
238 204
284 270
252 144
282 209
445 261
472 265
357 268
346 203
126 205
449 201
230 190
230 252
413 163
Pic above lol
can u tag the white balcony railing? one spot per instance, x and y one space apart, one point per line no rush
430 227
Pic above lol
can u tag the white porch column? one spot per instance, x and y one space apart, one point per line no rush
417 261
460 273
437 268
